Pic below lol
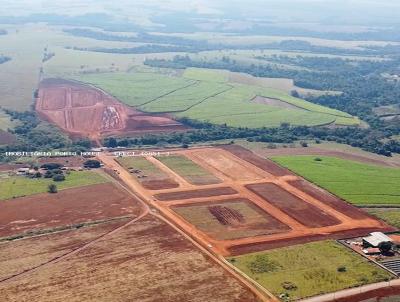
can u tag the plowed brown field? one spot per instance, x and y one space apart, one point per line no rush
147 261
67 207
305 213
83 110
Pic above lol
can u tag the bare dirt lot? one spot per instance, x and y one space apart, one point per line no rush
82 110
262 163
300 210
230 219
195 194
328 199
67 207
145 262
147 173
298 213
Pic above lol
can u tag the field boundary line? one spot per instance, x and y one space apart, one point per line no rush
168 93
73 252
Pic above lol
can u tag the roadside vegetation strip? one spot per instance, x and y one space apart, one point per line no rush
389 215
306 270
17 186
358 183
189 170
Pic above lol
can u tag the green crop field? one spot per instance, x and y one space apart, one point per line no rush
206 95
17 186
355 182
310 269
136 88
189 170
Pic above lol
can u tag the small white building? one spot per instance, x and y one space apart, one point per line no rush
375 239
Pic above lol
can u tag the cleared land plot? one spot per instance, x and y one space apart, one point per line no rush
83 110
180 195
189 170
16 186
262 163
230 219
309 269
146 261
358 183
328 199
226 164
149 175
68 207
32 252
297 208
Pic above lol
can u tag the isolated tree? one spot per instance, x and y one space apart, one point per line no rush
385 247
52 188
59 177
92 163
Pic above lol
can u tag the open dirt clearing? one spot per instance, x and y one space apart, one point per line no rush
67 207
300 210
230 219
85 111
309 217
146 261
220 191
147 173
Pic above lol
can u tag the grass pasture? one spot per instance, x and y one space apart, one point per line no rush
310 269
355 182
389 215
189 170
16 186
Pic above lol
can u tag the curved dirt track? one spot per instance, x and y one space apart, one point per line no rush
84 111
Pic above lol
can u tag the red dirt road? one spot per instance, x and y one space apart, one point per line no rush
82 110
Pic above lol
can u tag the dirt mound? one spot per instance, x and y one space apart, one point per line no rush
226 216
85 111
